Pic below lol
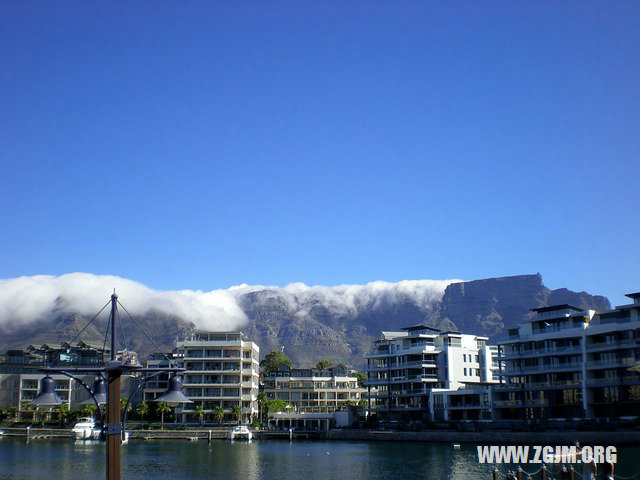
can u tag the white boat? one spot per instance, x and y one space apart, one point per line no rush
241 432
86 429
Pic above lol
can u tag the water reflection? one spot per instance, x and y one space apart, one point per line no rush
258 460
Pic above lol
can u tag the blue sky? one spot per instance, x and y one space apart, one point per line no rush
205 144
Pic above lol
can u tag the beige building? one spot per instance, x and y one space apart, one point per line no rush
314 391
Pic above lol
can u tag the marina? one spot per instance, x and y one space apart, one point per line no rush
260 459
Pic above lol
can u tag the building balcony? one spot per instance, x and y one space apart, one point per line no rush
622 344
415 378
542 352
469 406
538 385
543 368
519 403
611 363
627 380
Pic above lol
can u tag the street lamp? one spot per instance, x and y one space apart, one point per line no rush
47 396
110 395
173 396
99 390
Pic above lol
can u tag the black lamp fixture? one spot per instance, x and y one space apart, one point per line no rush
47 396
173 396
99 390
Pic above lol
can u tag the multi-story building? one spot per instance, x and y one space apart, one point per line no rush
568 363
612 346
222 370
20 375
406 368
309 390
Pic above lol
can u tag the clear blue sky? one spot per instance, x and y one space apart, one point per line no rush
205 144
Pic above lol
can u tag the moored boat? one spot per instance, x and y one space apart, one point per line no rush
86 429
241 432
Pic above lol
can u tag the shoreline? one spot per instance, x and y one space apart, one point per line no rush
439 436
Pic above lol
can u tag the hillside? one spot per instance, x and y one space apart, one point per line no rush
335 323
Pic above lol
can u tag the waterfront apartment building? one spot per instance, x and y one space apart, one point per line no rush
222 370
20 375
569 363
405 369
309 390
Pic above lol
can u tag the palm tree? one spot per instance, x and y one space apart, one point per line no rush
41 414
199 411
123 405
63 411
237 412
13 412
218 413
162 408
88 410
262 402
142 409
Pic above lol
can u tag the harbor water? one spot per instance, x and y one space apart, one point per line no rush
62 459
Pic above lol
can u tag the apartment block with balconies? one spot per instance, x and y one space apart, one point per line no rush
405 368
309 390
222 370
612 347
569 363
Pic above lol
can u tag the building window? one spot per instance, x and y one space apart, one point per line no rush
465 372
464 357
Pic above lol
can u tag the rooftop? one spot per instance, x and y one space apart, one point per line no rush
420 327
552 308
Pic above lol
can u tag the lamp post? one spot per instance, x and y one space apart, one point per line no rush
113 370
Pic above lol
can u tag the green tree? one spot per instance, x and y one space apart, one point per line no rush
273 360
142 409
162 408
88 410
362 377
3 414
199 411
13 413
237 412
323 365
123 405
218 413
276 405
262 403
41 414
63 412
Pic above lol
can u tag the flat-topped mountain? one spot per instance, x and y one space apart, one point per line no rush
334 323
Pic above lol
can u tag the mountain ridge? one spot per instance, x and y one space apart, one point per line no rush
334 323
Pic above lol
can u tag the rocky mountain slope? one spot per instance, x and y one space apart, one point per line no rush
336 324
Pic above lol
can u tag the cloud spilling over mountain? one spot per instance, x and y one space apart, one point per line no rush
311 322
26 300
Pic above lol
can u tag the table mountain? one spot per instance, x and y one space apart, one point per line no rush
336 323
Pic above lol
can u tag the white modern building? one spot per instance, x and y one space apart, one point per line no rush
405 369
569 363
222 370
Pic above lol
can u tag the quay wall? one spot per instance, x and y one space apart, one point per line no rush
491 438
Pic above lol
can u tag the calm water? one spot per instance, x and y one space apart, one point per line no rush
66 460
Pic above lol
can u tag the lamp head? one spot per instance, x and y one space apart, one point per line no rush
99 390
47 396
173 396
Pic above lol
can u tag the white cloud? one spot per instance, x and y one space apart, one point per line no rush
29 299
